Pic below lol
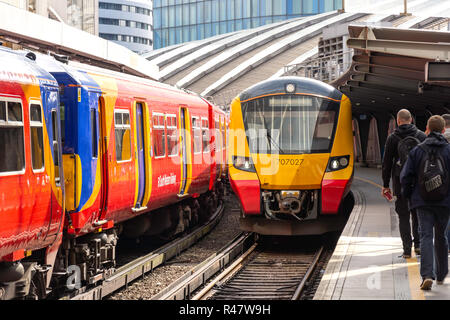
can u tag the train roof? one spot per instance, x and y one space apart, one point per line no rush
301 86
15 66
78 72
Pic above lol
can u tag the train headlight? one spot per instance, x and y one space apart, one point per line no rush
243 163
290 88
338 163
343 162
334 164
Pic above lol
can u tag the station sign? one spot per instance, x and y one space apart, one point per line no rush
436 71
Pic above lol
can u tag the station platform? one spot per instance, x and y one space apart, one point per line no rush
367 262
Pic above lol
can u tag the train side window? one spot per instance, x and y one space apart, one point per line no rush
12 151
62 115
218 140
172 136
205 134
224 144
122 133
197 135
55 146
94 133
36 137
159 140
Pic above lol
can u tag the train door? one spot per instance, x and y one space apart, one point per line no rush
58 175
104 158
185 151
218 144
140 145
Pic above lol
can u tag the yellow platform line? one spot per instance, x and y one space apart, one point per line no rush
369 181
414 278
413 264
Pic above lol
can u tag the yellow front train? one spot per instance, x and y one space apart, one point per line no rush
291 156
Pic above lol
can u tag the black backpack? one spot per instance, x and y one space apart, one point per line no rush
433 175
404 146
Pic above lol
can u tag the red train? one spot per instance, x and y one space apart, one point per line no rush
87 154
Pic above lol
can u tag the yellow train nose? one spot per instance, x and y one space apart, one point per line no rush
290 172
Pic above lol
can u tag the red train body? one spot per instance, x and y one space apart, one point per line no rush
89 154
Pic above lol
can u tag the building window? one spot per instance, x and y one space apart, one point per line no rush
12 154
206 18
297 7
36 137
159 141
125 8
122 135
125 38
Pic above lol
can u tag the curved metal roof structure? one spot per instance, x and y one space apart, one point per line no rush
223 66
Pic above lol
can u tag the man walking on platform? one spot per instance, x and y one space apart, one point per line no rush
396 150
447 136
425 181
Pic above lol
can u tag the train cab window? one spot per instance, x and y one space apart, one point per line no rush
37 137
122 134
290 124
159 141
94 139
205 134
197 135
55 146
12 151
172 136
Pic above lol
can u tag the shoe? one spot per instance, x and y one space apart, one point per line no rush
417 251
440 282
406 255
426 284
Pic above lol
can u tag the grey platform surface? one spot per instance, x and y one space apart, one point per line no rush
366 264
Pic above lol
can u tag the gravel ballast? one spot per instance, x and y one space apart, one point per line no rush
226 230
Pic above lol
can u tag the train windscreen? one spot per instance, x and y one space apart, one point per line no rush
290 124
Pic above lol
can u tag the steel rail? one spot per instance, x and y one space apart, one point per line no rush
198 276
308 275
142 265
227 273
240 265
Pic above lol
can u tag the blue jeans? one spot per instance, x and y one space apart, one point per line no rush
448 233
433 218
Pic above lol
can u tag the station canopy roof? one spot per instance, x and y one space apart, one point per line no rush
388 70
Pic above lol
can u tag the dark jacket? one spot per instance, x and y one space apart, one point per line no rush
409 174
390 156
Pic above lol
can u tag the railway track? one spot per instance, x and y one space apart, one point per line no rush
138 267
259 272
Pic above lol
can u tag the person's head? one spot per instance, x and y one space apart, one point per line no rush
404 117
436 124
447 120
